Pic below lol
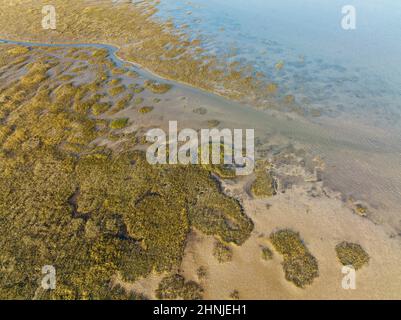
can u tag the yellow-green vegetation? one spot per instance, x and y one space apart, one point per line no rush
279 65
100 108
91 212
272 88
299 265
138 100
352 254
213 123
115 82
222 252
234 295
264 184
157 87
115 91
201 272
361 210
267 254
201 111
117 292
18 50
175 287
121 104
223 171
145 109
119 123
117 71
136 88
66 77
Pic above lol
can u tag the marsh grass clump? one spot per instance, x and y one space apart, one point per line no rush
145 109
272 88
201 111
289 99
92 211
139 90
267 254
115 91
361 210
264 185
121 104
119 123
157 87
352 254
118 71
234 295
213 123
117 292
115 82
299 265
222 170
18 50
175 287
201 272
222 252
138 101
160 47
279 65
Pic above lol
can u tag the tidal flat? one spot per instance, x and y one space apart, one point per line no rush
76 189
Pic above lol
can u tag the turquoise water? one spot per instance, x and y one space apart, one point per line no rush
326 67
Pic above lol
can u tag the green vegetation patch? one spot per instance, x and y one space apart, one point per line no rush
222 252
201 111
100 108
175 287
201 272
264 184
157 87
352 254
234 295
119 123
267 254
145 110
121 104
117 90
92 212
299 265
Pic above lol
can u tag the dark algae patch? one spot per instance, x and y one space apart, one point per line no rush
352 254
300 266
